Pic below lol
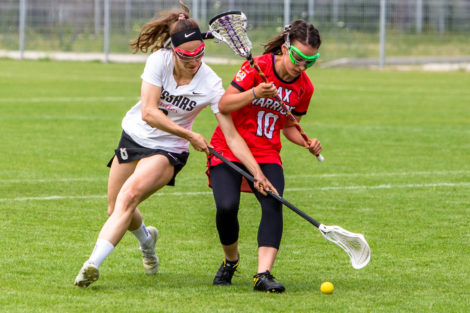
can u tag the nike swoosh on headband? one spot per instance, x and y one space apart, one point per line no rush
187 35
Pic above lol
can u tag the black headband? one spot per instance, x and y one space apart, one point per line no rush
185 36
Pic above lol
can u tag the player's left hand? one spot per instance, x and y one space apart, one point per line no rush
314 146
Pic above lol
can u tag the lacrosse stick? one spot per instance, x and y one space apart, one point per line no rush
354 244
230 27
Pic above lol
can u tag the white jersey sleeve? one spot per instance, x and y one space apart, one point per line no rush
180 103
154 67
218 92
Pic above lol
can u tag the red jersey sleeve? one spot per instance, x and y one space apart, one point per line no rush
246 77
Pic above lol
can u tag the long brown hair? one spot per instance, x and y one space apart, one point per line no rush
298 30
155 33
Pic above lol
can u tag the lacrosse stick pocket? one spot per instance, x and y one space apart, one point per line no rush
355 245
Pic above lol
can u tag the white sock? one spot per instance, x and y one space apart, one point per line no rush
102 249
142 234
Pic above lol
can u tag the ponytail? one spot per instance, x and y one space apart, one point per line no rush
156 33
298 30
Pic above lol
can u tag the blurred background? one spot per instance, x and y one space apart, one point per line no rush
354 32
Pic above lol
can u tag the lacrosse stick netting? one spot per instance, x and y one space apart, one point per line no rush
354 244
230 27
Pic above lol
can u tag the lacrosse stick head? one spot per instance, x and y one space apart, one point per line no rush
354 244
230 27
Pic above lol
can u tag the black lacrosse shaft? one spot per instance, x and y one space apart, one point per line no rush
275 196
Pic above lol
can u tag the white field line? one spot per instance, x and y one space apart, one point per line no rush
93 56
51 180
68 99
418 173
319 87
179 194
387 186
104 178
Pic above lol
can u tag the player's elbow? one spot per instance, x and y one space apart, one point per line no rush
224 107
224 110
146 115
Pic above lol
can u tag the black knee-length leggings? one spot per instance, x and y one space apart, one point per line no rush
226 189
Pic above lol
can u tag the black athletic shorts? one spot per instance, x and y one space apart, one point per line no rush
129 151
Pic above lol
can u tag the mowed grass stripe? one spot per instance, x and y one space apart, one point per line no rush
67 99
200 193
78 179
401 135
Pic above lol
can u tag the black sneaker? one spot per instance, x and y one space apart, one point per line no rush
225 273
265 282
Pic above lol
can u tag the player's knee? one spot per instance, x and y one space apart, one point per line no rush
110 209
130 197
226 207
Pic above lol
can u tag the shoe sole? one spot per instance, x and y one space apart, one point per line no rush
271 290
90 275
221 284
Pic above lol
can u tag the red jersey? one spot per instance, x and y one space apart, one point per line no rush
261 121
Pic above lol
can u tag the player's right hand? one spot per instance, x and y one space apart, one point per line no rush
265 90
262 184
199 143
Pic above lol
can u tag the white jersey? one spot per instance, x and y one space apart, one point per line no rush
182 104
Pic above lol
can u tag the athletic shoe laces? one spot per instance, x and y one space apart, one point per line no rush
228 271
266 274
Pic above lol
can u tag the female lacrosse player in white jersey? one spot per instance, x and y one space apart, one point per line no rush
176 86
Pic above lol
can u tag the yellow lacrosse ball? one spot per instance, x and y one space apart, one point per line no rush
327 287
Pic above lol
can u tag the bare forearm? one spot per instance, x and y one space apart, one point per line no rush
240 149
237 144
293 135
150 99
233 101
157 119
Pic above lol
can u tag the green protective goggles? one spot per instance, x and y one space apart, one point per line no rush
298 58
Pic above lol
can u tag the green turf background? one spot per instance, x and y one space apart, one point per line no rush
397 169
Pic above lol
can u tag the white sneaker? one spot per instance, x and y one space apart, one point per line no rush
149 257
87 275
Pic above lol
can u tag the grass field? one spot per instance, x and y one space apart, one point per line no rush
397 169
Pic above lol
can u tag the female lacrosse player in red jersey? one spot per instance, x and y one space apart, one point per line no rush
176 86
259 118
